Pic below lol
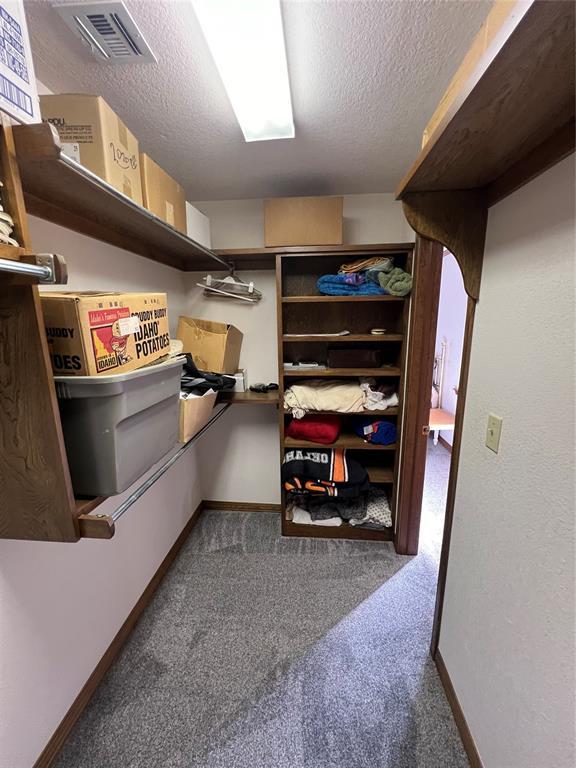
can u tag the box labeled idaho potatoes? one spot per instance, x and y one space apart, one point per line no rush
214 346
161 195
107 147
91 333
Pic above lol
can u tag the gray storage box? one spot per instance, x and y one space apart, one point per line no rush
117 426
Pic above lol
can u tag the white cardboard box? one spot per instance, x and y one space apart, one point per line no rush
198 226
18 93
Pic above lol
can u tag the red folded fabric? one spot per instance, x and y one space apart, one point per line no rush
317 429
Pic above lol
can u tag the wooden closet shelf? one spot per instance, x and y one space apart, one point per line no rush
62 191
289 338
344 531
511 115
248 398
312 373
393 411
344 441
332 299
380 474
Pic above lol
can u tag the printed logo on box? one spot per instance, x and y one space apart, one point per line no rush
107 340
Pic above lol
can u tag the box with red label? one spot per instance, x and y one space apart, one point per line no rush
91 333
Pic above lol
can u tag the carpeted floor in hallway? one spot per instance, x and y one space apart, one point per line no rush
264 652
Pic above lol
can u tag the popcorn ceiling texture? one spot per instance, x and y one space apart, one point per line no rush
365 79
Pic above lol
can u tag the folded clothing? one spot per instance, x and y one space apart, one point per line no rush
342 285
373 430
317 429
378 512
321 508
396 283
303 517
376 262
323 472
378 397
339 395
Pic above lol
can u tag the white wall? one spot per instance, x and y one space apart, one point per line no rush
375 218
62 604
507 633
450 328
249 466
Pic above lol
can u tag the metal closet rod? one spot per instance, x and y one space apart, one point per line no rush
22 268
127 503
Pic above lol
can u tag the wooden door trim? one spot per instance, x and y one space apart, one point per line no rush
420 361
453 479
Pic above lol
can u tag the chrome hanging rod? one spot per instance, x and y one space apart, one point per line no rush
49 268
127 503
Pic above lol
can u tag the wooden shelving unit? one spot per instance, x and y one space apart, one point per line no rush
62 191
302 316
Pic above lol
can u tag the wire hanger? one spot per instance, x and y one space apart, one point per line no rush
230 287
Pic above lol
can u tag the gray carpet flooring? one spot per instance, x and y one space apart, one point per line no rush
264 652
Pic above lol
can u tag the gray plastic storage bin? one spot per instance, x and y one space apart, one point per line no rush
117 426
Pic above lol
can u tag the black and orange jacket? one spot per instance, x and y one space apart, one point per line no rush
329 472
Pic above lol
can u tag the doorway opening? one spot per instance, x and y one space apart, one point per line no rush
443 401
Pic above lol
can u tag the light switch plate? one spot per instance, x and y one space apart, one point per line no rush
493 432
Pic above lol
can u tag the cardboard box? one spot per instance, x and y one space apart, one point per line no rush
214 346
107 148
194 414
91 333
303 221
198 226
161 195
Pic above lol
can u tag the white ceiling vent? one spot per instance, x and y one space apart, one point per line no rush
109 31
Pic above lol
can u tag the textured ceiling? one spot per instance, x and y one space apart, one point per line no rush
365 78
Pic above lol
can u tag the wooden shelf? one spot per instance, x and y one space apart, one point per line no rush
59 190
248 398
393 411
511 115
351 338
345 440
302 250
380 474
332 299
344 531
312 373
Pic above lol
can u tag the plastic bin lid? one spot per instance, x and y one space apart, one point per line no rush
112 378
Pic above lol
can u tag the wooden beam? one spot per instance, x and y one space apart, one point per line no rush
457 220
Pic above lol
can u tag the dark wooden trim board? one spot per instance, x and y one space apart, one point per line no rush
241 506
463 729
51 750
453 478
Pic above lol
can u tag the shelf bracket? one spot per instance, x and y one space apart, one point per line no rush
457 219
46 268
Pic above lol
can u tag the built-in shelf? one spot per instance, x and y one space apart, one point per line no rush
344 531
248 398
344 441
392 411
58 189
384 475
337 299
350 338
511 115
386 370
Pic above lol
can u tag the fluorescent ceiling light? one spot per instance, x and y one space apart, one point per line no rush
246 39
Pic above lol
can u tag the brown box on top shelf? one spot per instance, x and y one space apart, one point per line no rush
106 147
303 221
214 346
161 195
91 333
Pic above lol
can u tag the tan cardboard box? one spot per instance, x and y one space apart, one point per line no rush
194 414
107 148
303 221
161 195
214 346
91 333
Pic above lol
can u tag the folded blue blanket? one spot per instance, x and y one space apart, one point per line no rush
379 431
343 285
